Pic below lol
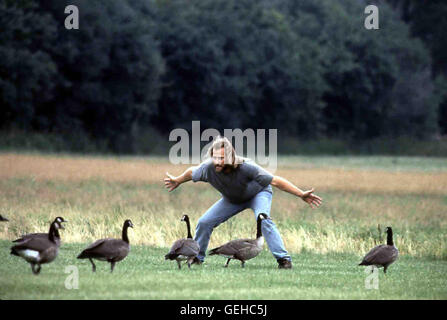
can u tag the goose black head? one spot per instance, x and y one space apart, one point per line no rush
389 240
3 218
263 216
188 225
128 223
58 222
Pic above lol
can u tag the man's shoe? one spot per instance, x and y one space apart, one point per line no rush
284 264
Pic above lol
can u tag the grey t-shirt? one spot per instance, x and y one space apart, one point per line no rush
238 186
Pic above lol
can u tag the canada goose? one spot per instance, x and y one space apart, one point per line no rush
58 221
242 249
110 250
184 249
3 218
383 255
39 249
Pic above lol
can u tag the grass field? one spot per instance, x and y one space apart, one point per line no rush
96 194
145 275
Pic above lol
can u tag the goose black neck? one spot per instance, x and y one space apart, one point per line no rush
188 226
124 234
259 229
53 234
389 239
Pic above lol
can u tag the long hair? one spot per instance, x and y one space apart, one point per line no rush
230 158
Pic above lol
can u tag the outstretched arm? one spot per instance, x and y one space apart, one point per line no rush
172 182
313 200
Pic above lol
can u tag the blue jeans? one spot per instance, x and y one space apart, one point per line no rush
222 210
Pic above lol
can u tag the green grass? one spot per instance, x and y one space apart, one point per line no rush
346 223
144 274
326 244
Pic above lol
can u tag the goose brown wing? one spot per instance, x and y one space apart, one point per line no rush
39 244
176 246
381 255
369 257
386 255
189 248
94 245
186 247
242 244
22 240
31 235
109 248
234 246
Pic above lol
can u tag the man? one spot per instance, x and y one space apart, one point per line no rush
243 184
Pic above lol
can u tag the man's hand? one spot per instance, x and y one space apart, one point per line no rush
313 200
170 182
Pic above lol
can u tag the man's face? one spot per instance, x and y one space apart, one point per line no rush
219 159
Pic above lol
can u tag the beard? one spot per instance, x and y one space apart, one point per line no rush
224 168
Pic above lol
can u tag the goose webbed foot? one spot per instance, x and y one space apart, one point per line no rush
112 266
226 264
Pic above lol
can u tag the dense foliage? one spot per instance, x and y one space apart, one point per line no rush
308 68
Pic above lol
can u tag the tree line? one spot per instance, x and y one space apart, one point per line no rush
136 68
